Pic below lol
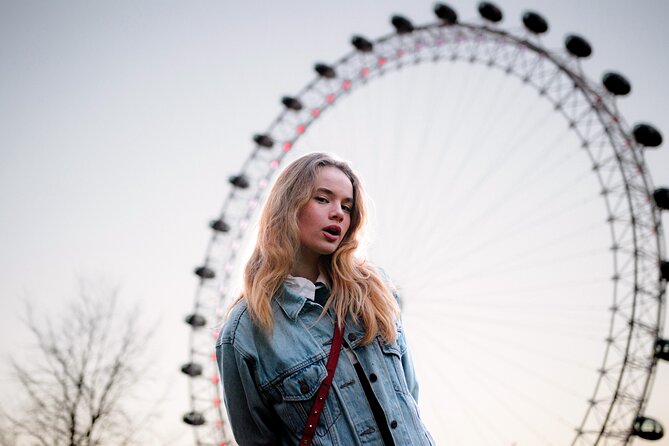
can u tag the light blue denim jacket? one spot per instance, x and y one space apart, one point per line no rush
270 381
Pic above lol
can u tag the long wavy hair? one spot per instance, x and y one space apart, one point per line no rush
357 289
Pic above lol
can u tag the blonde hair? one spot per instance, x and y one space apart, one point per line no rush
357 289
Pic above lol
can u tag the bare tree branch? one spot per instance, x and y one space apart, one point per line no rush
77 386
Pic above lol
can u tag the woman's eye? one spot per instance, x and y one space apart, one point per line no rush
321 199
348 209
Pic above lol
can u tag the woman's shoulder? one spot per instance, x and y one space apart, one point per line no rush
386 279
383 275
238 320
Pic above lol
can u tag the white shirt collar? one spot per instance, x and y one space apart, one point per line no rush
303 286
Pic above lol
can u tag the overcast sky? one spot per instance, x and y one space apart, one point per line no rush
120 123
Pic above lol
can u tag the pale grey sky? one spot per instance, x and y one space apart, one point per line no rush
121 121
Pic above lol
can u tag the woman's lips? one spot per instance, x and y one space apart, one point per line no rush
332 232
330 237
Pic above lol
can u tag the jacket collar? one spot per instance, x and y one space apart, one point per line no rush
290 303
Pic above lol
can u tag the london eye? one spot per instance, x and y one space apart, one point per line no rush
542 272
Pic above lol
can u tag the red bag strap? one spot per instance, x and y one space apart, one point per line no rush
321 395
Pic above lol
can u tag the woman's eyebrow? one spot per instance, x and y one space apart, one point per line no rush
327 191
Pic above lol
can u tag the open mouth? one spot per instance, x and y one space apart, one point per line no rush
333 230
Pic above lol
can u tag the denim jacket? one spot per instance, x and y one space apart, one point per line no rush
270 381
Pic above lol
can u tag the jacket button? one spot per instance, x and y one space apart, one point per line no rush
351 337
393 424
304 388
372 377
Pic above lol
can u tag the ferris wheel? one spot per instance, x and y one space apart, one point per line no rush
529 284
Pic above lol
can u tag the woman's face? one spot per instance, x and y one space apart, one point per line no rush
324 220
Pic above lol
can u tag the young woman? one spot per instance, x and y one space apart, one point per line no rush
302 281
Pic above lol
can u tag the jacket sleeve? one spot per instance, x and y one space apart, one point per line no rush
407 361
252 420
410 373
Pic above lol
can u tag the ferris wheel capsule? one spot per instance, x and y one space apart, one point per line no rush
661 198
264 140
647 428
196 320
401 24
361 44
535 22
194 418
616 84
446 14
204 272
664 270
647 135
577 46
192 369
291 103
239 181
325 71
490 12
662 349
219 225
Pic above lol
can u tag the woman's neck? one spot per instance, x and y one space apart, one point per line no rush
306 270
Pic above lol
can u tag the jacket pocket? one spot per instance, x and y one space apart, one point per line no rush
392 356
303 384
297 395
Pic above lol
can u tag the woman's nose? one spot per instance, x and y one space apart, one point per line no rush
337 212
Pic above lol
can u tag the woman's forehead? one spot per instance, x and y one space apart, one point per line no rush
333 180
